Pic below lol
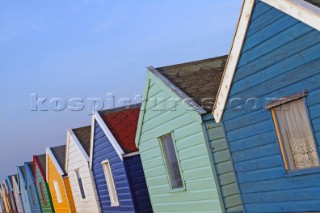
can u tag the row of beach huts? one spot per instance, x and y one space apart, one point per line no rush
237 133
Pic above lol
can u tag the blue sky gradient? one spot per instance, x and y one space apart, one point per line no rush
88 48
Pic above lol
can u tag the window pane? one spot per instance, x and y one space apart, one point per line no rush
57 189
171 160
42 194
110 184
296 134
83 195
32 195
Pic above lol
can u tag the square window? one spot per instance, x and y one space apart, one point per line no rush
110 183
295 135
171 161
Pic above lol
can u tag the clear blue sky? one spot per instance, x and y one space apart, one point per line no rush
87 48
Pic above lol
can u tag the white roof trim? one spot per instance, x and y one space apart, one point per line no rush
299 9
92 139
131 154
55 162
233 59
109 135
78 144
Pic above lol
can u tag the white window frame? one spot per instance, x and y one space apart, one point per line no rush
57 189
112 190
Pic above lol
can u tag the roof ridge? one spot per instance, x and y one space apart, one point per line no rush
192 62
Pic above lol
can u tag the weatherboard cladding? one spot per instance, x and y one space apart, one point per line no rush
198 137
67 203
132 190
16 192
22 186
138 184
103 150
77 162
202 192
280 56
31 188
40 172
10 196
83 134
199 80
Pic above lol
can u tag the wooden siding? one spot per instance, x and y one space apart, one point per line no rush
200 194
2 208
281 56
24 195
17 195
35 207
138 184
67 204
103 150
5 201
48 208
76 162
223 165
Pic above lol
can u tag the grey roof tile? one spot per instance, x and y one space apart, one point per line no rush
42 162
84 136
200 80
59 153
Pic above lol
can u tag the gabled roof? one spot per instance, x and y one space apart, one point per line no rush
198 80
58 157
23 172
301 10
42 163
30 164
59 153
122 122
83 135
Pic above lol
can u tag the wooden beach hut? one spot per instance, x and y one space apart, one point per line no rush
58 180
115 161
78 169
269 103
40 180
184 153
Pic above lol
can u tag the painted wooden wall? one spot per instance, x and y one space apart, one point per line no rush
280 56
5 201
76 161
224 169
46 207
35 206
2 208
201 194
24 194
10 195
67 204
17 196
103 150
138 184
